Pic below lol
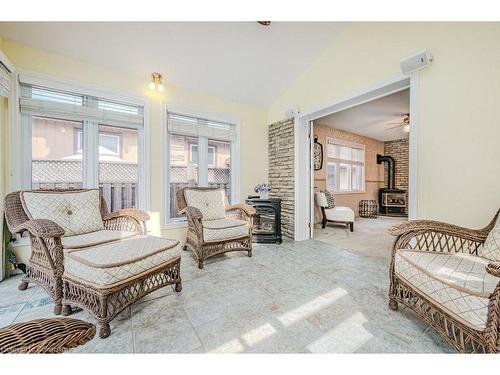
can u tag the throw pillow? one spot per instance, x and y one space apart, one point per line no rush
76 212
330 199
491 247
211 203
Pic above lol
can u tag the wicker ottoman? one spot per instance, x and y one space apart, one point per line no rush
106 279
368 208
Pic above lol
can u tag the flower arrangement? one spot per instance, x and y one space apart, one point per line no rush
263 190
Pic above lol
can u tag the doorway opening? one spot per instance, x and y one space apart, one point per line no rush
364 172
385 117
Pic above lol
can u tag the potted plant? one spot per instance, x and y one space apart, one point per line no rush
263 190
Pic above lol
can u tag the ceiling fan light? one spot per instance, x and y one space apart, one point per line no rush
406 128
152 85
160 87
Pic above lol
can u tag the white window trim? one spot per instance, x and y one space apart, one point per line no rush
174 223
7 131
20 174
333 141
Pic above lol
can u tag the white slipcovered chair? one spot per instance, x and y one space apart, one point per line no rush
336 214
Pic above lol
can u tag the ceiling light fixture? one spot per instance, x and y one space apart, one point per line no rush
156 82
264 23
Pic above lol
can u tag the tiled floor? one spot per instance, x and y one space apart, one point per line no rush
307 297
369 237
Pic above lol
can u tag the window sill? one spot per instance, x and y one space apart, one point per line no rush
349 192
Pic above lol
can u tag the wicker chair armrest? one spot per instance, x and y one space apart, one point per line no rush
493 269
192 213
43 228
246 208
427 226
133 213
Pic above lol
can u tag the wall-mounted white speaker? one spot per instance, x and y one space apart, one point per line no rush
416 62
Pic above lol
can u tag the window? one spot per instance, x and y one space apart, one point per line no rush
109 144
84 141
188 166
119 173
346 166
54 165
193 154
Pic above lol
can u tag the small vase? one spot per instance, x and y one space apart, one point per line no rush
264 195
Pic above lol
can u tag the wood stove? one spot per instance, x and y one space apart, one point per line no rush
267 219
391 200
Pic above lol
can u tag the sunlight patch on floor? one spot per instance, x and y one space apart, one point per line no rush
346 337
311 307
232 346
258 334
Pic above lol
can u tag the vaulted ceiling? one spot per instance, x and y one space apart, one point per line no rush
241 61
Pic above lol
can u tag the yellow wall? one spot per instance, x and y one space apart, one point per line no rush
459 129
253 129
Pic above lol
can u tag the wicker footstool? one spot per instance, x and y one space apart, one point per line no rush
106 279
368 208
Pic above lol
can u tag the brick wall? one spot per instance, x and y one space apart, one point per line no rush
281 171
399 151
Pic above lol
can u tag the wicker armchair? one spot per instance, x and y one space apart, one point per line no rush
207 237
46 264
45 336
437 271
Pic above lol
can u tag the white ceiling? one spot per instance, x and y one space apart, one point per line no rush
372 119
242 61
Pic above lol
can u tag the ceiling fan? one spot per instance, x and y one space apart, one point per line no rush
404 123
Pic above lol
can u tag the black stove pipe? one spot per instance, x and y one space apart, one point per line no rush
390 169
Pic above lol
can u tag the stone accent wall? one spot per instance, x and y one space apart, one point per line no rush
281 171
399 151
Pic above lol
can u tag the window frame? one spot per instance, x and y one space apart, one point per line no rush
172 223
90 137
330 142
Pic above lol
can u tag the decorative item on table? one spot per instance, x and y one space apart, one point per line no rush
263 190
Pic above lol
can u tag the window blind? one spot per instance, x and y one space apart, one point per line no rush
5 81
72 106
186 125
345 152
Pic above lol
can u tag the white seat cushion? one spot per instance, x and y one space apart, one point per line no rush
95 238
116 262
222 229
458 282
340 214
211 203
491 247
76 212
